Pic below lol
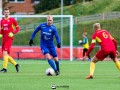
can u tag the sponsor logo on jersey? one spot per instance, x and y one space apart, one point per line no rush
5 25
46 33
43 27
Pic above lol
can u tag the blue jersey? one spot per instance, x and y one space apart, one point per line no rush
47 34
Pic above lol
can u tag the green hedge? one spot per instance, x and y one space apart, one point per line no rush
112 26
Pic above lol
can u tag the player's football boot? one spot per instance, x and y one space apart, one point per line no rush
17 66
89 59
57 73
89 77
3 70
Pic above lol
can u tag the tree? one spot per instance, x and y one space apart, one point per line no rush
67 2
4 2
45 5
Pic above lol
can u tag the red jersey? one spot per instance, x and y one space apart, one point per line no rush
105 40
7 26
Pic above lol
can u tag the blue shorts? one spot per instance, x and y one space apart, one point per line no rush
50 50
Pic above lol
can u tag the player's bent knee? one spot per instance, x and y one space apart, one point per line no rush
55 58
47 56
5 53
95 59
115 60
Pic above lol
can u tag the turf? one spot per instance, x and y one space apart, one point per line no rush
32 76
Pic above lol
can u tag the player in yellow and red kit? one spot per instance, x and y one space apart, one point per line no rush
108 48
7 34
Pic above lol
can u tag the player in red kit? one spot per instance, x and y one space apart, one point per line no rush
108 48
7 34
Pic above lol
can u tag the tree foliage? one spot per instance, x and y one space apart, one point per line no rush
46 5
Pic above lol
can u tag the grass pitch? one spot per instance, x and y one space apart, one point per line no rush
72 77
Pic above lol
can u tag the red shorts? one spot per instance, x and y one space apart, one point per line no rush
102 54
6 45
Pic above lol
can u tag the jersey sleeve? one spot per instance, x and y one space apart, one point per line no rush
35 31
1 27
16 26
114 41
92 44
84 40
56 35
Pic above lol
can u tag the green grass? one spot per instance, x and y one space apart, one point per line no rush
111 25
32 76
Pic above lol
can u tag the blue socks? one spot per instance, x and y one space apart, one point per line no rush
51 63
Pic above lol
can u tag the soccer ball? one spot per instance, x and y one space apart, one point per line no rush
49 72
79 41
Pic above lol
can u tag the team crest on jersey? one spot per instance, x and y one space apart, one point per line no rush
50 30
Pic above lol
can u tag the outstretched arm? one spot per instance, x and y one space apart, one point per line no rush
92 44
114 41
1 30
84 41
57 39
90 48
34 33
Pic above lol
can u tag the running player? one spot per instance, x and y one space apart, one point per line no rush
108 48
48 31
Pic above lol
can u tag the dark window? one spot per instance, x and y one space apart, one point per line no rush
12 0
16 0
20 0
36 0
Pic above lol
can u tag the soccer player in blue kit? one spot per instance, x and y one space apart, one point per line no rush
48 31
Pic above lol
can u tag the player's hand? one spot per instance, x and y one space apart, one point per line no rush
0 35
58 45
10 34
80 43
31 42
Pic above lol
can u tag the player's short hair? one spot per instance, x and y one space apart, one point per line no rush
96 25
6 8
49 16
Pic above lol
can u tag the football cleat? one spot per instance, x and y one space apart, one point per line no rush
3 70
17 66
89 77
57 73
